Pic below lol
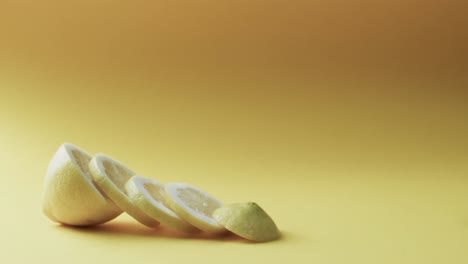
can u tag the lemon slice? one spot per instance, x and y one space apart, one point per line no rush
194 205
69 196
111 175
247 220
149 196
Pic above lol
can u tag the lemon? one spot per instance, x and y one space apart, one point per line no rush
149 195
69 196
247 220
111 176
194 205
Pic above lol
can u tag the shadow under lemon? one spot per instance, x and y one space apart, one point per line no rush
130 229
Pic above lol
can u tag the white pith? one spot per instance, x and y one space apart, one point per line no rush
140 182
69 148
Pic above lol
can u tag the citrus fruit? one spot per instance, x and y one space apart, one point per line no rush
111 176
69 196
194 205
247 220
149 195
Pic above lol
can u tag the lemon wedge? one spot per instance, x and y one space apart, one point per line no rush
247 220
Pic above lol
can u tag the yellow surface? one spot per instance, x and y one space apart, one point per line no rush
349 130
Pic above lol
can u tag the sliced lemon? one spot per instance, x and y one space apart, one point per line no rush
69 196
194 206
149 195
111 175
247 220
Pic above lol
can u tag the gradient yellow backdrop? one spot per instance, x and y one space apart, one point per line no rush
346 120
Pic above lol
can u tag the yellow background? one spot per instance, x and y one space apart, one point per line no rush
346 120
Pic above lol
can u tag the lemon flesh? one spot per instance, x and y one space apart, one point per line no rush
149 195
69 196
247 220
111 176
194 206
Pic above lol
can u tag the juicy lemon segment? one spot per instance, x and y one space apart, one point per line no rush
70 196
111 176
194 205
149 195
247 220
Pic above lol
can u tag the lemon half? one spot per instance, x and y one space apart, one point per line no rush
69 196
